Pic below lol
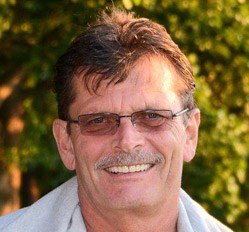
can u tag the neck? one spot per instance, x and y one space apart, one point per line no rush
163 218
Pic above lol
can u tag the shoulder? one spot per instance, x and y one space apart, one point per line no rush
44 214
9 218
194 216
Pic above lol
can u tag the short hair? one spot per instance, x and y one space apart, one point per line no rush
108 49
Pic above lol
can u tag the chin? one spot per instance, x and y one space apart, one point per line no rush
133 199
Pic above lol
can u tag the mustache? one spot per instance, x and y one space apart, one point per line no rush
126 159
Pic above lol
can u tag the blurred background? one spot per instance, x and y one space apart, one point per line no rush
214 34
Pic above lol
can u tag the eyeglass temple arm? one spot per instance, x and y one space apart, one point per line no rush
181 112
73 121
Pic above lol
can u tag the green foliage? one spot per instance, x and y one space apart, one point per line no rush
220 166
215 37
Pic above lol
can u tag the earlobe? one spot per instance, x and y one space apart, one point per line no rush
64 143
192 135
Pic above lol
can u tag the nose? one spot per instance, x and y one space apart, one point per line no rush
127 138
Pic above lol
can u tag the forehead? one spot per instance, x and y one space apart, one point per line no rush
155 71
151 83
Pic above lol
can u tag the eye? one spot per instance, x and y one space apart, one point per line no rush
98 120
153 115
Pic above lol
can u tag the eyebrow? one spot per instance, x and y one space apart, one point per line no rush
108 112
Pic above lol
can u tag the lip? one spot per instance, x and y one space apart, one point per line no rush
125 159
130 175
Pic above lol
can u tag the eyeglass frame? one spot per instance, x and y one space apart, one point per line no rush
179 113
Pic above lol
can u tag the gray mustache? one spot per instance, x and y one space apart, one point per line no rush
125 159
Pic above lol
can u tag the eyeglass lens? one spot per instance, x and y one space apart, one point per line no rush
108 123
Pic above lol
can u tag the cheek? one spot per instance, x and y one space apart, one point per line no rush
89 149
163 142
168 143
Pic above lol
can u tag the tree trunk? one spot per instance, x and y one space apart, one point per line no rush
11 126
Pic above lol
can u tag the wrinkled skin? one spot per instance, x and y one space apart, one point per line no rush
152 194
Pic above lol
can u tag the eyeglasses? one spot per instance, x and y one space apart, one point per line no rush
144 121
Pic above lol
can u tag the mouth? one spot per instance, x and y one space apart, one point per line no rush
128 169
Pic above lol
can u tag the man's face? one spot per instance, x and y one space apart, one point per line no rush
150 85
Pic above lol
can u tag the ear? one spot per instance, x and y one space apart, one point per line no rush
64 143
192 135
